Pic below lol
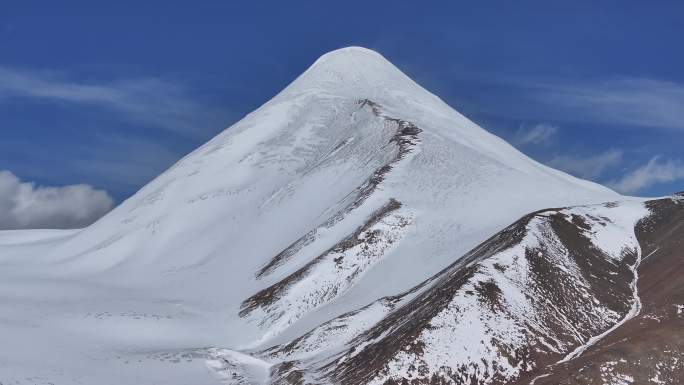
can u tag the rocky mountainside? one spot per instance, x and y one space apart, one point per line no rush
649 347
354 229
529 305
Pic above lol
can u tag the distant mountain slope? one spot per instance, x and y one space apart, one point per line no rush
325 237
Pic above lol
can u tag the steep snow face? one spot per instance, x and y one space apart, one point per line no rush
352 184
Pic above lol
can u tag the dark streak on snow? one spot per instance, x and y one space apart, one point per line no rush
271 294
405 137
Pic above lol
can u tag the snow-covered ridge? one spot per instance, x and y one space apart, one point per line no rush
541 288
539 297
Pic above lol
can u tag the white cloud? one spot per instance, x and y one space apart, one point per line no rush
24 205
541 133
653 172
588 167
628 101
145 100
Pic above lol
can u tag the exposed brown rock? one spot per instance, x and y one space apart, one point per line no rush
649 348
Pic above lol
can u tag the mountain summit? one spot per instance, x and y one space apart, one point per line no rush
308 240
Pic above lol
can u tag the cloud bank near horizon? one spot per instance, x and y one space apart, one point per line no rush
23 205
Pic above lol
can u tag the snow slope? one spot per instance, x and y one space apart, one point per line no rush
351 185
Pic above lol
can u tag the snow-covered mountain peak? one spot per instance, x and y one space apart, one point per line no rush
350 133
351 65
351 185
349 56
356 72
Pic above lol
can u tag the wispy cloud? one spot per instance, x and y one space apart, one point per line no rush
653 172
541 133
149 101
24 205
589 167
627 101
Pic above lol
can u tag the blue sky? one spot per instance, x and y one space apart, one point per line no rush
110 94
